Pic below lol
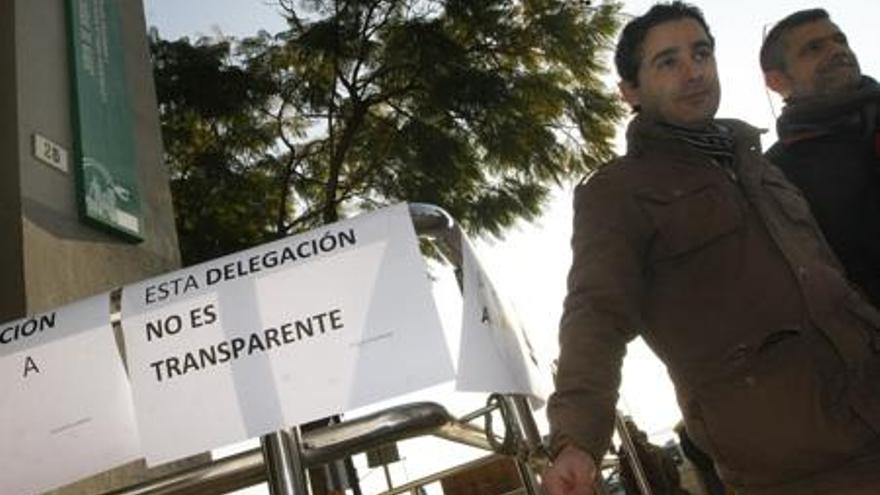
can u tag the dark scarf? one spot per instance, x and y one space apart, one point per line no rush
716 142
851 111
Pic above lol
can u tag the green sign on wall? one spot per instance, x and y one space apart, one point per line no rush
102 119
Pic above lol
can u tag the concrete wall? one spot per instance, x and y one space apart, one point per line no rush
64 259
48 257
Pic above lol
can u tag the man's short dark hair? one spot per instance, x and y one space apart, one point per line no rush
773 48
628 56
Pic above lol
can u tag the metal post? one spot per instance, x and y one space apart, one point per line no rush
387 477
285 472
632 456
522 425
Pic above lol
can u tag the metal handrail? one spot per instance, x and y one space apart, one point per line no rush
319 447
439 475
396 423
283 456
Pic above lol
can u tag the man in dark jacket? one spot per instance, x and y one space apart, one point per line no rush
697 243
829 142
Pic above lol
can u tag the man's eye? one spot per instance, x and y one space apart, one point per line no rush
666 63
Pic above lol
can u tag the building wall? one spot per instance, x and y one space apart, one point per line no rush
64 259
48 257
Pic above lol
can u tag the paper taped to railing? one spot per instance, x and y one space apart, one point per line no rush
495 353
65 403
289 332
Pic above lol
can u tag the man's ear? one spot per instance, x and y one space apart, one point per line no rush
630 93
778 81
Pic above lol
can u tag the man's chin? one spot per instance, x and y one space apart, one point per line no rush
698 118
839 82
696 123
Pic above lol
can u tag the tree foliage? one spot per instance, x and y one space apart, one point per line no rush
476 106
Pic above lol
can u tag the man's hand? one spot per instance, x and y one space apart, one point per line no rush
572 473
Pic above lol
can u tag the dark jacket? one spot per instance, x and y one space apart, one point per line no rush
837 166
732 286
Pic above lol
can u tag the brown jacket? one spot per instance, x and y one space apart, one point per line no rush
771 350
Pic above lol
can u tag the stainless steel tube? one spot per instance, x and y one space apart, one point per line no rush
632 456
285 472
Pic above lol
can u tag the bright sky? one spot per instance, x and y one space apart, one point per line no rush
531 263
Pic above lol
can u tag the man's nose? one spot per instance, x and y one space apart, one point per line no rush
840 49
693 69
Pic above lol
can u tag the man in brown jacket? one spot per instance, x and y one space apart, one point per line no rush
698 244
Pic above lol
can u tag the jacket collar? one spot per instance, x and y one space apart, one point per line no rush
851 111
646 136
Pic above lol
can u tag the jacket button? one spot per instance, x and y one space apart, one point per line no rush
750 381
802 273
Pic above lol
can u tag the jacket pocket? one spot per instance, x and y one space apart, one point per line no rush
687 219
781 413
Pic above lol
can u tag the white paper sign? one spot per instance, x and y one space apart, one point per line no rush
289 332
495 353
65 404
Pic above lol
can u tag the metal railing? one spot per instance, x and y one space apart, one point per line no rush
282 462
284 456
